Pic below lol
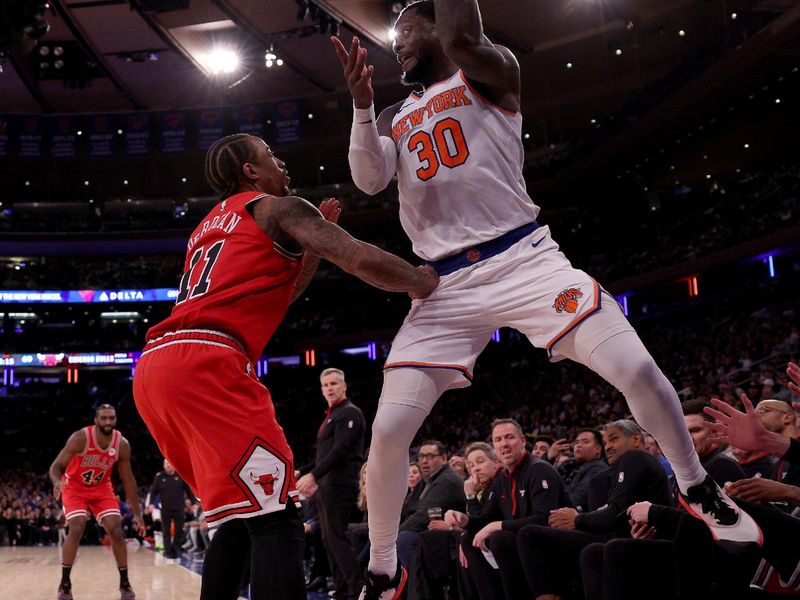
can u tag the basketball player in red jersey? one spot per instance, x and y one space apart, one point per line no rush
81 475
195 386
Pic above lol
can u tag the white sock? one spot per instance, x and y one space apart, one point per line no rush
407 397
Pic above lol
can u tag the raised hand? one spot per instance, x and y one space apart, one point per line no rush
330 209
741 429
356 72
428 280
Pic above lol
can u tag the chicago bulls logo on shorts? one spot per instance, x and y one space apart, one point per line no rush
567 300
267 481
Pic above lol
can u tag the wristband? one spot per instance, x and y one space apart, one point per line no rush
363 116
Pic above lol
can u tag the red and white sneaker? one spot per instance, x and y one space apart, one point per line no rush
733 529
64 592
126 593
381 587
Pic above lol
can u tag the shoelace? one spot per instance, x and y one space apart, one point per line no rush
716 506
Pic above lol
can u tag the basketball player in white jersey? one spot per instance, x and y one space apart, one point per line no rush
457 153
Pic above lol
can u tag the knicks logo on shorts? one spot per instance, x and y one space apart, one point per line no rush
567 300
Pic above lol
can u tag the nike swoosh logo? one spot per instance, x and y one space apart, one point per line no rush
536 243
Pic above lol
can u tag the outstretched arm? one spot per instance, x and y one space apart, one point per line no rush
460 31
743 429
372 155
129 484
75 445
330 209
303 223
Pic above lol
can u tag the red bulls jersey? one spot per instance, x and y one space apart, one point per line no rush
236 279
92 467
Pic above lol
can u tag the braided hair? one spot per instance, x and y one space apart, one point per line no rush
224 161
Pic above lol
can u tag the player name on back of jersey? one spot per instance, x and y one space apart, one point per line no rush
227 222
441 102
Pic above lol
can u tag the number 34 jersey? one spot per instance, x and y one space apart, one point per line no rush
236 279
459 169
92 468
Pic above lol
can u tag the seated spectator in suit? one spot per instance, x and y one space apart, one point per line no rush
778 417
587 463
754 464
443 491
722 468
523 492
550 555
436 562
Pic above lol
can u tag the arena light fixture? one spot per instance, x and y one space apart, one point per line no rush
681 32
221 61
734 16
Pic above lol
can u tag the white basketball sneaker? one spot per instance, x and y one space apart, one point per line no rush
381 587
732 528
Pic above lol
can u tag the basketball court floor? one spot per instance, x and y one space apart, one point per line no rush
33 573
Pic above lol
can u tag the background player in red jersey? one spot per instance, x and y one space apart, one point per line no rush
81 475
195 386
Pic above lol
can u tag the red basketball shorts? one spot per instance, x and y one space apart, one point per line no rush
215 422
79 500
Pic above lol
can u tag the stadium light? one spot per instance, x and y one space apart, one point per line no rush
220 61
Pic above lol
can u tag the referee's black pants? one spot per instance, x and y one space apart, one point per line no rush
172 544
335 505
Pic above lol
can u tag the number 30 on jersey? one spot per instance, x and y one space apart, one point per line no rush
446 146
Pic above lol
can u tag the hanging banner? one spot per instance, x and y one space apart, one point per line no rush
136 129
287 123
64 141
101 136
173 132
30 139
5 126
251 119
210 127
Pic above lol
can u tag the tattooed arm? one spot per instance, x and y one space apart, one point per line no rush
296 219
330 209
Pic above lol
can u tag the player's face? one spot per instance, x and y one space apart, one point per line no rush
415 38
481 467
694 423
273 178
508 444
586 447
334 388
105 421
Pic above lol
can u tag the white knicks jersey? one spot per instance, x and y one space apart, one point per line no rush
459 169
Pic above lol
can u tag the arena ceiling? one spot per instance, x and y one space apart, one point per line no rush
581 60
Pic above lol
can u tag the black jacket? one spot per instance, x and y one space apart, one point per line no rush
340 447
444 489
579 483
637 476
170 490
722 468
760 465
522 495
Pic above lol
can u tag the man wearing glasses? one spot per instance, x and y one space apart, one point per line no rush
777 416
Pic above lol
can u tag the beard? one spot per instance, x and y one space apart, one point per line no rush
420 73
106 430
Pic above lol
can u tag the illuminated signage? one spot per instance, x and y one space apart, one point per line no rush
88 296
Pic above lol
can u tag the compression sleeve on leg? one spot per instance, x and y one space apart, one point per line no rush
372 157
